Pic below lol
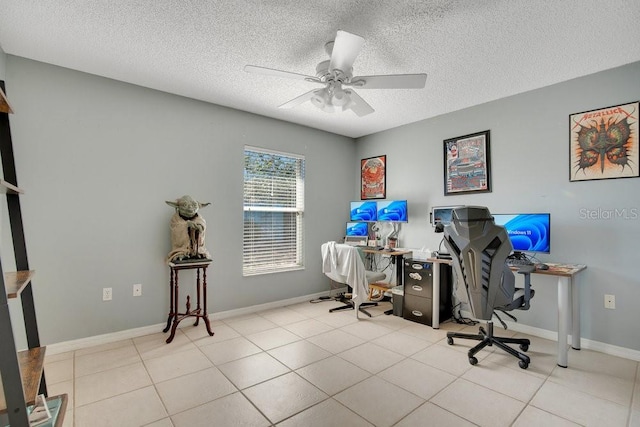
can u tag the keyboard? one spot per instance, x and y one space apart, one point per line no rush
518 262
355 241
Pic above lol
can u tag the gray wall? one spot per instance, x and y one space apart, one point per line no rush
98 158
530 173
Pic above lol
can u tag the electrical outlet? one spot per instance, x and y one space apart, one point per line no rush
610 301
107 294
137 290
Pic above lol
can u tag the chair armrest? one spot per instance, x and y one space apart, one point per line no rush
526 271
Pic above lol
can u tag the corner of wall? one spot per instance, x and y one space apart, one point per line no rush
3 61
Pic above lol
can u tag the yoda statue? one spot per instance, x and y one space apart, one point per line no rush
187 231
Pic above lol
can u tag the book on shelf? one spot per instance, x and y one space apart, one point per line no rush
40 413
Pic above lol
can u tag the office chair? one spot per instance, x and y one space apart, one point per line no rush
479 250
344 264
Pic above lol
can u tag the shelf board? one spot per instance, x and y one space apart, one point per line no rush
31 365
15 282
5 107
8 188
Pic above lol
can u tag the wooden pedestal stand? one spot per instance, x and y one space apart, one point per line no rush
201 291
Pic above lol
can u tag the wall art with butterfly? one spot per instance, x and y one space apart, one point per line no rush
604 143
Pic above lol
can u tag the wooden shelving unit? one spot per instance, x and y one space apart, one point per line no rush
5 107
22 372
8 188
31 366
15 282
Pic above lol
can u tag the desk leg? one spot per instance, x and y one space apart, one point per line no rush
564 315
399 276
399 270
435 308
575 313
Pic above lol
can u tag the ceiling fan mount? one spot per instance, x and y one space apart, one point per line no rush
337 72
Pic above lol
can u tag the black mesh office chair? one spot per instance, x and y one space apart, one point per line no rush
479 250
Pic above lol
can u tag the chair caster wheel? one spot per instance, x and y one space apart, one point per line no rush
524 347
523 364
449 340
473 360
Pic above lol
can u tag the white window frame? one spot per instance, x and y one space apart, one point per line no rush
262 255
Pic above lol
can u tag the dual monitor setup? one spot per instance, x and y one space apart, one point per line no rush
364 213
528 232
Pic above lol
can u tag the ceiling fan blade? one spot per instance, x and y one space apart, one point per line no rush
359 105
346 48
299 100
391 81
279 73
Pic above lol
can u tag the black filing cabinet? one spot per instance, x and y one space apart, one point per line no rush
418 291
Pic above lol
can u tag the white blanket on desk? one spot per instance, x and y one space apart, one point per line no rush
342 264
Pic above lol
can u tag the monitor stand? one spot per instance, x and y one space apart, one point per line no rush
518 255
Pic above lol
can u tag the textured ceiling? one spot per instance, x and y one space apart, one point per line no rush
472 51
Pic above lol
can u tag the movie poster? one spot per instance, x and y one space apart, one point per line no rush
373 173
604 143
466 164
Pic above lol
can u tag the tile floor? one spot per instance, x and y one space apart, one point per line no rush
303 366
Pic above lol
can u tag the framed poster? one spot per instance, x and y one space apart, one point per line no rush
373 178
467 164
603 143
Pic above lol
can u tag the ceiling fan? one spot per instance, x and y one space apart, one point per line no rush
336 75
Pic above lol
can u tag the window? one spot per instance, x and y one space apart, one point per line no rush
273 237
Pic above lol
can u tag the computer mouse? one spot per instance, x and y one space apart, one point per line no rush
542 267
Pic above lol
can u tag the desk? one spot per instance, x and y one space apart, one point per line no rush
201 289
568 302
568 305
397 255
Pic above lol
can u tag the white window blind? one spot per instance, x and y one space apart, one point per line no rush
273 238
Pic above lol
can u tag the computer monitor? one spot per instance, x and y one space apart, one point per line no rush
528 232
357 229
442 214
392 211
363 211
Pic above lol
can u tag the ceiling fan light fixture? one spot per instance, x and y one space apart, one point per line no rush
322 70
322 100
340 97
349 103
319 98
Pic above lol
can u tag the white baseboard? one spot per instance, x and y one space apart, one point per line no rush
267 306
81 343
586 344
